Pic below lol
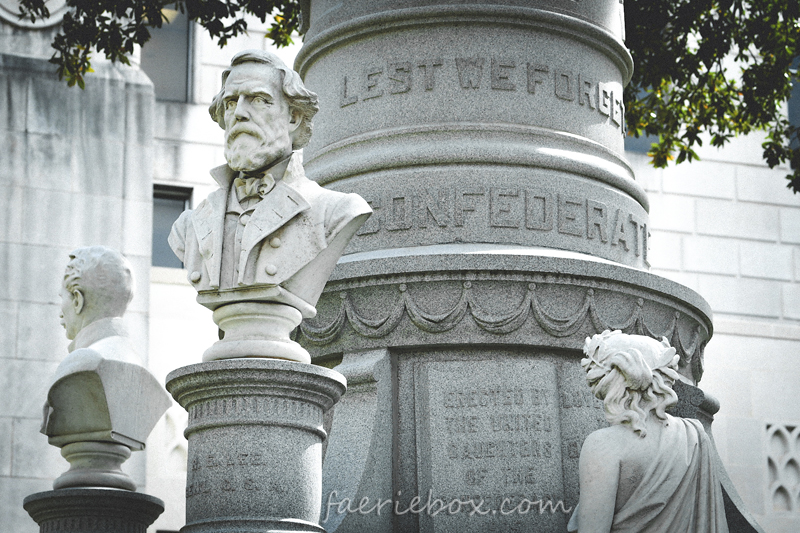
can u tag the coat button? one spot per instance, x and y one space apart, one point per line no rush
244 219
194 276
271 270
275 242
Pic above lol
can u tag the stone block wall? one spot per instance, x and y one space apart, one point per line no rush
728 228
75 170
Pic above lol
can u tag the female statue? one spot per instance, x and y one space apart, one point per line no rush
648 471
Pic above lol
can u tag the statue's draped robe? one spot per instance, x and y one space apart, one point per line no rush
680 491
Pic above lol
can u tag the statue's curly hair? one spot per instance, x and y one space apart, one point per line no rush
633 375
299 99
104 277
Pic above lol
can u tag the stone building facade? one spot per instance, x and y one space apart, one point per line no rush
725 227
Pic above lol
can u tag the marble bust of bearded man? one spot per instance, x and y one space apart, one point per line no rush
268 233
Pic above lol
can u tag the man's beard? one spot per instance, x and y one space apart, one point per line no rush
247 152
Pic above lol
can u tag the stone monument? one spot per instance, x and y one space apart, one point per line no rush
488 139
649 471
259 251
101 405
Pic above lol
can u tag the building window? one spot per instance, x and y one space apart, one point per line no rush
166 58
168 203
642 143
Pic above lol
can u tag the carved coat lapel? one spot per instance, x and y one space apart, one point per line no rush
209 223
277 208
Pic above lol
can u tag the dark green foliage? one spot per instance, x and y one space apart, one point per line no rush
681 88
113 27
680 91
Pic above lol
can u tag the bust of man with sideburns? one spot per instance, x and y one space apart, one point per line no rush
268 233
101 397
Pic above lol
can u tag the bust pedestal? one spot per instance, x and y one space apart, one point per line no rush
93 510
257 329
255 443
257 322
95 464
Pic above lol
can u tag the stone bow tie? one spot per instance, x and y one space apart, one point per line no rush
253 187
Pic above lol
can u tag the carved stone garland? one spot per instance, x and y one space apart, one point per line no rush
691 350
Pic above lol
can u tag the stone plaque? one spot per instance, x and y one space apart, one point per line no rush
489 446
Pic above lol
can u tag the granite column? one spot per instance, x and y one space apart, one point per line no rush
508 227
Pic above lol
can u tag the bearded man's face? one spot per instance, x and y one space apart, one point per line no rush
258 122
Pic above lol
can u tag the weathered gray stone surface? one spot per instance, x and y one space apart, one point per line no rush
255 443
352 470
97 510
477 123
487 137
500 295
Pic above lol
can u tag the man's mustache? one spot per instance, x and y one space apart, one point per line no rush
242 130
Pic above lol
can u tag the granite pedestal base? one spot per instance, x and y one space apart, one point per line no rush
93 510
465 383
255 443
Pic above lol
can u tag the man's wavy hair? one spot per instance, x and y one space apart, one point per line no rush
297 96
104 277
633 375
